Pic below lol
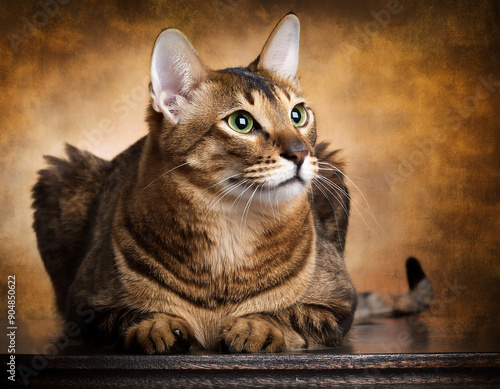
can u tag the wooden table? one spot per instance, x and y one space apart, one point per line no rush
385 353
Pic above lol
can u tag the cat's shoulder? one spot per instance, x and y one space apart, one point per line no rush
129 156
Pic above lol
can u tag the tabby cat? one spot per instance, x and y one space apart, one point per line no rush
206 233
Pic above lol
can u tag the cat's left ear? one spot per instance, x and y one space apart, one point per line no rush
176 71
280 54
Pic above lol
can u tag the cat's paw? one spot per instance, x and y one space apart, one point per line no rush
251 334
160 334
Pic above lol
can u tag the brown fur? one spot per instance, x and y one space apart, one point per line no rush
158 259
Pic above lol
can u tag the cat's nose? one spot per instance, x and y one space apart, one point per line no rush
296 156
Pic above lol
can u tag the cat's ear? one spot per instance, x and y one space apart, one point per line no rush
176 70
280 54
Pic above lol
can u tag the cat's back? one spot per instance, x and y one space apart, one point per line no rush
123 169
73 201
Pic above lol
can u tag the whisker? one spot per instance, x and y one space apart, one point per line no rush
336 169
360 178
356 208
337 187
241 194
269 204
161 175
333 209
221 181
325 185
221 194
263 210
312 199
342 190
278 208
247 209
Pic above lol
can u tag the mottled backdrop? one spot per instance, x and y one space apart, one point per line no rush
409 91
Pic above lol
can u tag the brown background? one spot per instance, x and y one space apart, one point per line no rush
411 84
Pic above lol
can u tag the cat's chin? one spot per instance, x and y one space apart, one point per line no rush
274 195
284 192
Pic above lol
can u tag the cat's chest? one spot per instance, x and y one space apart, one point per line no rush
229 268
233 246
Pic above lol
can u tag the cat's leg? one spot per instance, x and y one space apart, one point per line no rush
321 317
300 326
143 332
315 325
159 333
251 333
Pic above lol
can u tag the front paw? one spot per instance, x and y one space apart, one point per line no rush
160 334
251 334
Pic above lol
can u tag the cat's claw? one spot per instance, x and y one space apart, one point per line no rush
251 335
161 334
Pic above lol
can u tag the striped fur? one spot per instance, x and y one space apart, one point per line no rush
197 237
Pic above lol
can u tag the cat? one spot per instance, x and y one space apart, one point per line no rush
416 300
211 232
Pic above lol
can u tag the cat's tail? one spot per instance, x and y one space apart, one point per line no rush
63 199
416 299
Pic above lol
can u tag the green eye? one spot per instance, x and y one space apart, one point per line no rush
298 115
240 121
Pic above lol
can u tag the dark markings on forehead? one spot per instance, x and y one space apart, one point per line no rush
253 82
249 97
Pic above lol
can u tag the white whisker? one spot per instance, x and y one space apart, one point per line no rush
221 194
247 209
325 185
241 194
221 181
354 205
336 187
270 204
333 208
161 175
336 169
342 190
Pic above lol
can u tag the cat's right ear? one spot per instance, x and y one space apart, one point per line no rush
176 70
280 54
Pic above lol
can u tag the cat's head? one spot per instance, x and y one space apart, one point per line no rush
247 130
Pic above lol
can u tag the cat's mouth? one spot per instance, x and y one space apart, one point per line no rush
290 181
266 187
265 192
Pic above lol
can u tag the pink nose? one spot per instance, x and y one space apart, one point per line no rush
296 156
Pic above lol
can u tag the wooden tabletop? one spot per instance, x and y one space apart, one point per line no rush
391 352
